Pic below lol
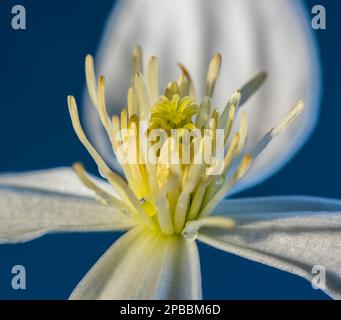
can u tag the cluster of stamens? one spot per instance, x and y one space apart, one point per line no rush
171 196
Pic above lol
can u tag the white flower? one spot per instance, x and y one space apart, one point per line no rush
166 207
275 36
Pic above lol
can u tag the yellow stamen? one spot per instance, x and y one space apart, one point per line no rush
242 132
183 85
217 182
132 102
228 115
175 192
288 119
191 229
174 113
227 186
197 200
124 118
212 74
172 89
141 89
232 152
295 111
91 79
102 109
153 80
137 65
204 113
117 182
191 180
102 194
163 206
229 123
192 91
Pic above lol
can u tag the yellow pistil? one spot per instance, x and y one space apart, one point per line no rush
172 194
174 113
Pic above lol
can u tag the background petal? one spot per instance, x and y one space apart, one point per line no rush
33 204
144 265
252 36
293 234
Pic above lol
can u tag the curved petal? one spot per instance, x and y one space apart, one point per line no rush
293 234
267 205
144 265
31 205
61 179
251 35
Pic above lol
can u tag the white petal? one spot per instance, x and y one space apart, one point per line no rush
285 204
293 234
275 36
31 205
144 265
61 179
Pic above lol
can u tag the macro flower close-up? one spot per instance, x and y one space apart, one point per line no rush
180 116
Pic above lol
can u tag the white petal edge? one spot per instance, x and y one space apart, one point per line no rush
144 265
61 179
275 36
31 207
294 241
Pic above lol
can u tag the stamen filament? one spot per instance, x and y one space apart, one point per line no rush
183 85
137 64
153 80
132 101
172 89
295 111
227 186
215 185
116 181
102 194
278 129
192 91
204 113
191 229
212 74
90 77
183 183
144 104
163 206
242 132
197 199
192 177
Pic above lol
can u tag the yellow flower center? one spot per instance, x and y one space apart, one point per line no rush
172 197
174 113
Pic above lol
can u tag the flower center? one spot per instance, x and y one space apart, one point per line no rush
173 196
174 113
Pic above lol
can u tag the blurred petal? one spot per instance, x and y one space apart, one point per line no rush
31 206
293 234
275 36
144 265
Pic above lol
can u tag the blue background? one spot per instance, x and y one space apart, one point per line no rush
41 65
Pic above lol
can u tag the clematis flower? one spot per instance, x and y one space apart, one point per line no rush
275 36
166 206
